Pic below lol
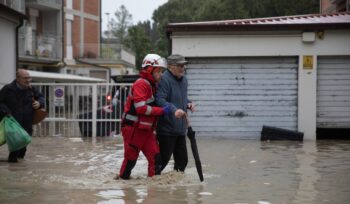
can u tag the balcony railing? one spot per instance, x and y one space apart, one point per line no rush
40 46
18 5
108 52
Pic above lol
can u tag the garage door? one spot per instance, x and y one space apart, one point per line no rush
333 92
236 97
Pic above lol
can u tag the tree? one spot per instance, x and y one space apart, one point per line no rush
138 40
119 27
222 10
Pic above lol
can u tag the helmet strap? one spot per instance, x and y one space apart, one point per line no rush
149 69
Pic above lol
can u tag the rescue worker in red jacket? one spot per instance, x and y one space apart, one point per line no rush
140 117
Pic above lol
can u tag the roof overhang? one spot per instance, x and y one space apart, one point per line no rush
62 78
302 22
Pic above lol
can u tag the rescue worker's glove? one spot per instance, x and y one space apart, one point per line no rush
167 109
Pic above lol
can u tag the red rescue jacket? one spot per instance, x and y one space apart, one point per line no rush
140 110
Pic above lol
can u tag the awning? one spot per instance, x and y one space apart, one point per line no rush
57 77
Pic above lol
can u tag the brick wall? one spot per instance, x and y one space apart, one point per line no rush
91 28
326 6
91 38
76 4
92 7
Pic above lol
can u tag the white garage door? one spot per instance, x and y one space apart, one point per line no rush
236 97
333 92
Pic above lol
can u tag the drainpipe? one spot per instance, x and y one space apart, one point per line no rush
100 27
17 37
62 33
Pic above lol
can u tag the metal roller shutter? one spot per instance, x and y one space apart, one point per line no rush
333 92
235 97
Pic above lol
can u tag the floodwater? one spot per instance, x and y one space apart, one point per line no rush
75 170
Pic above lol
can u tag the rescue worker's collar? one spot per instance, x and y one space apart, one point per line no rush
148 76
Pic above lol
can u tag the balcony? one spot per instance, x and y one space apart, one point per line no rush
45 48
18 5
103 53
44 4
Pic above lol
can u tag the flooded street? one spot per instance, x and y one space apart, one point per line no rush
75 170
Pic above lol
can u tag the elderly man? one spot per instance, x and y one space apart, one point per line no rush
20 100
171 129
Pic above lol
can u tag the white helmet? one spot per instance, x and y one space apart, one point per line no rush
154 60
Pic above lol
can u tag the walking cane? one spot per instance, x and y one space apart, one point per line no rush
191 136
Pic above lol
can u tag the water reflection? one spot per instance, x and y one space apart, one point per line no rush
152 195
308 175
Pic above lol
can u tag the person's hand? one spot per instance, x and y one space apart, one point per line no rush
191 107
167 109
179 113
35 105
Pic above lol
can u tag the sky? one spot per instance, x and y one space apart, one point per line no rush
141 10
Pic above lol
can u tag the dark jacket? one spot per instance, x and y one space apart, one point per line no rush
173 91
18 103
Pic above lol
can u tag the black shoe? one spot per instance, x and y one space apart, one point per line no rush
21 153
12 160
13 157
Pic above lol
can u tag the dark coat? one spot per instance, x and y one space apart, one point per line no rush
18 103
172 91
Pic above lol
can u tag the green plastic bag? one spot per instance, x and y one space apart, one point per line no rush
16 137
2 132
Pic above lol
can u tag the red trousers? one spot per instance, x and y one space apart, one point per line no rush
136 140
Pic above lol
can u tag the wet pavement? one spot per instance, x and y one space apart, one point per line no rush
75 170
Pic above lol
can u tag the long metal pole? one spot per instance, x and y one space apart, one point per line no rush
94 111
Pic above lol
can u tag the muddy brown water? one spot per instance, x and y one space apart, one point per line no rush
75 170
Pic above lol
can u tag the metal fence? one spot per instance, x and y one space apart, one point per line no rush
76 110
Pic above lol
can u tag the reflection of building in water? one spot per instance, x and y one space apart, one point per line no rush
308 175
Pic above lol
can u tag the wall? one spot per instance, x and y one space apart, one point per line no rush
76 36
92 7
334 42
82 27
7 51
91 46
326 6
285 44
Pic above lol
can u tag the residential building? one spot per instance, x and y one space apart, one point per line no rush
11 18
65 37
85 52
40 38
334 6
